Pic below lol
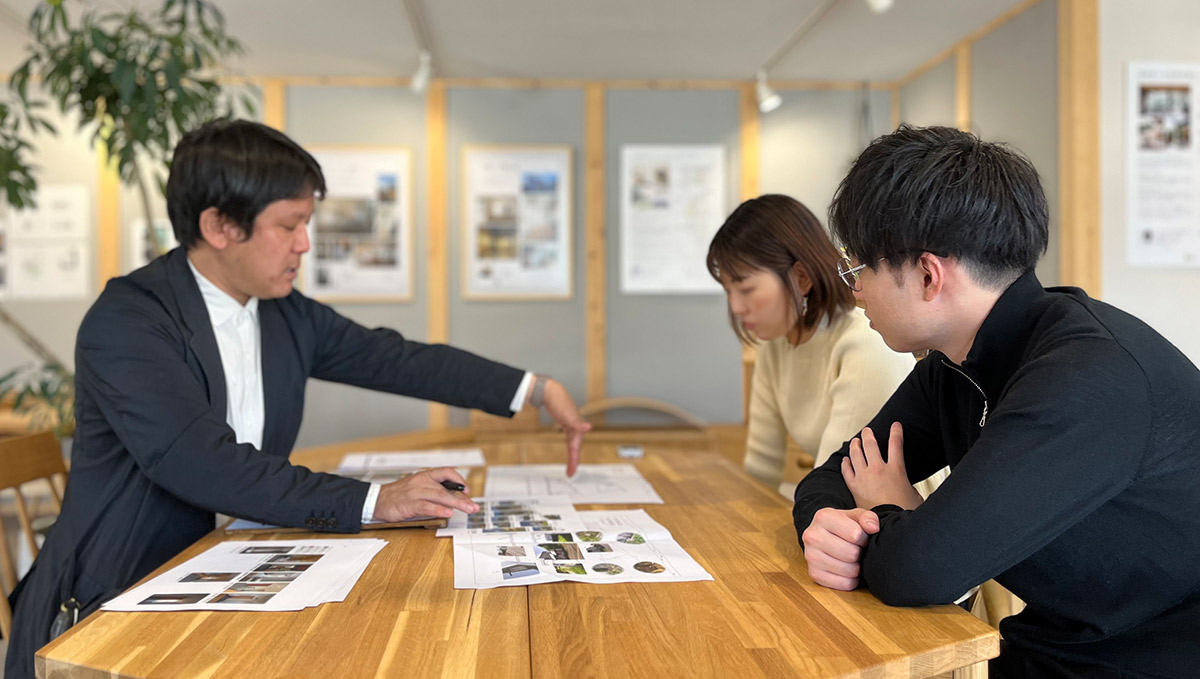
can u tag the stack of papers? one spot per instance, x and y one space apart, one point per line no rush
259 575
592 483
609 547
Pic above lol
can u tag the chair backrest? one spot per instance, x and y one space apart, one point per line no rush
24 459
606 405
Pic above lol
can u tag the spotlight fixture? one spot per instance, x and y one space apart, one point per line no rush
880 6
768 99
420 79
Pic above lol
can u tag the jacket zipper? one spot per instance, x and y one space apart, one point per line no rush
982 420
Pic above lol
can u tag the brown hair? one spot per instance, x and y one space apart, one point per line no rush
773 233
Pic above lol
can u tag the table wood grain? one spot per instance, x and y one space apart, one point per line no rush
762 616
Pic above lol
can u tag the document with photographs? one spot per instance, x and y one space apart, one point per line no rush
502 517
615 546
592 484
256 575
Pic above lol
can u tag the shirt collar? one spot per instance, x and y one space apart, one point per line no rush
1005 333
221 306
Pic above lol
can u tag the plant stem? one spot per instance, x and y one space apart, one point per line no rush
34 344
144 193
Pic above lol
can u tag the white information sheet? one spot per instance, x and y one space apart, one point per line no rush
1163 161
362 231
517 222
416 459
140 249
48 248
672 203
592 483
257 575
614 546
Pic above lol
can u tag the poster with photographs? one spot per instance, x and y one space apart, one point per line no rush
672 202
1163 180
46 251
139 247
517 222
361 232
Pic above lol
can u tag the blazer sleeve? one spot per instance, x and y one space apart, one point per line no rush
383 360
132 361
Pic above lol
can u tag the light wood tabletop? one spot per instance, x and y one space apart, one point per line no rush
761 616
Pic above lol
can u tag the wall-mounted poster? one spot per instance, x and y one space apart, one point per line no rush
1163 184
672 202
517 222
47 250
140 249
362 231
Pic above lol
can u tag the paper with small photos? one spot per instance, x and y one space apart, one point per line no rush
256 575
499 517
613 546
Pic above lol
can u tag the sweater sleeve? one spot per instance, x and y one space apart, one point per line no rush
867 372
766 436
1066 438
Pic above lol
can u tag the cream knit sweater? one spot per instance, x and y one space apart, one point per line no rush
820 393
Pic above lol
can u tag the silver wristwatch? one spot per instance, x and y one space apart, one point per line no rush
538 396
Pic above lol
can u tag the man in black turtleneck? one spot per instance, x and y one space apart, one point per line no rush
1071 427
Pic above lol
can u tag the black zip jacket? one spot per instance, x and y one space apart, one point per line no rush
1073 432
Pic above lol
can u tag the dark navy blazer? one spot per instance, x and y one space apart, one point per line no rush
154 459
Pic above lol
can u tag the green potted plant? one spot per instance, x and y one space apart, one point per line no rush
136 79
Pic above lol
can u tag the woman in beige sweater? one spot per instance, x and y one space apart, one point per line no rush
821 371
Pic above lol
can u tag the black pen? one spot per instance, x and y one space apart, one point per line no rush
451 485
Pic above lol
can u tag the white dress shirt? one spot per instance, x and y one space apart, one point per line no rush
239 342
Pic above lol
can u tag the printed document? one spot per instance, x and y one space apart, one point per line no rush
592 483
615 546
256 575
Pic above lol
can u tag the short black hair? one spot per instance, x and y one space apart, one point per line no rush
941 190
239 167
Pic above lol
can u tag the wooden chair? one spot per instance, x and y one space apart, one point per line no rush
596 409
24 459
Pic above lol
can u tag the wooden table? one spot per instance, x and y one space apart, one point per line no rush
762 616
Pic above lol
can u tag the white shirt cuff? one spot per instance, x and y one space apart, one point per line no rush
368 512
518 401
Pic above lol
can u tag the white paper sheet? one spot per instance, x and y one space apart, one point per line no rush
257 575
616 546
498 517
592 483
416 459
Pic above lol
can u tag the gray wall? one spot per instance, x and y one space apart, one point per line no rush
362 117
677 348
810 141
1014 99
929 100
542 336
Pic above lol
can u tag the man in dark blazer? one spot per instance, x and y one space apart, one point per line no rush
190 378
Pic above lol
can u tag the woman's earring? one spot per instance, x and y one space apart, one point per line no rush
804 306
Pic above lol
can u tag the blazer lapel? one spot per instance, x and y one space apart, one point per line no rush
194 314
277 378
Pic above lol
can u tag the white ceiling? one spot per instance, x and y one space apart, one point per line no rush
602 39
